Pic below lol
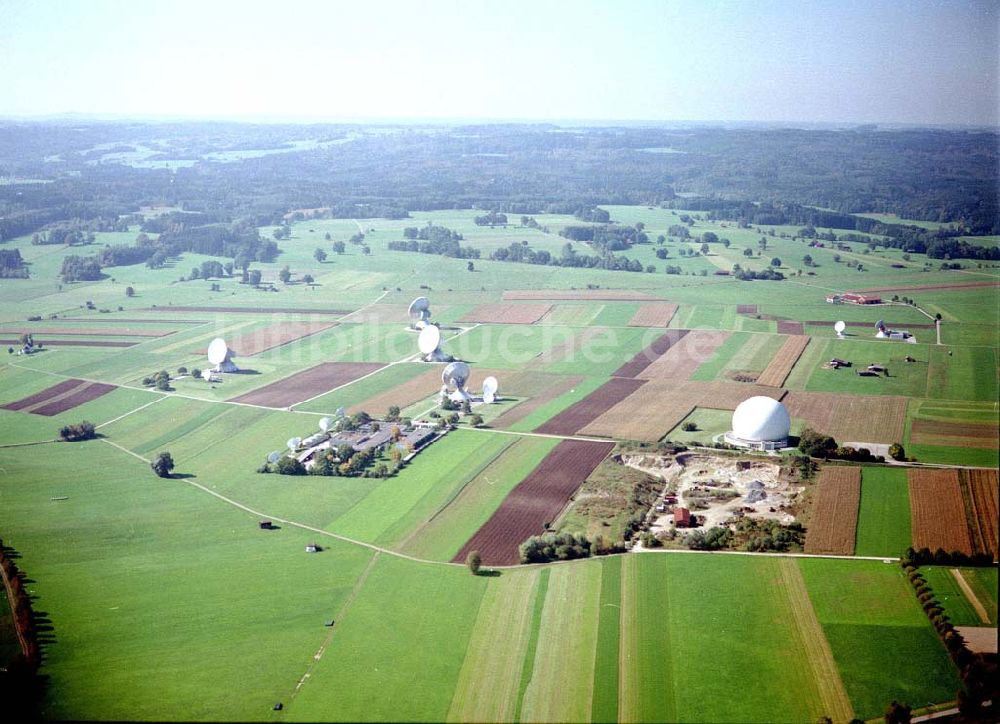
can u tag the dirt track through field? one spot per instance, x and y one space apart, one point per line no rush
780 366
652 352
970 595
835 515
93 332
938 511
250 310
75 342
923 287
536 500
307 384
575 417
833 699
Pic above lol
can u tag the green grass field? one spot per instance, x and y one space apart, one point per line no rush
168 602
884 516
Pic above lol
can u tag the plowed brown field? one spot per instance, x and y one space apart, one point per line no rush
555 385
746 308
570 420
787 326
651 412
274 335
308 384
643 359
958 434
609 295
45 395
537 500
89 391
982 490
683 358
850 417
781 364
938 511
658 314
507 313
835 517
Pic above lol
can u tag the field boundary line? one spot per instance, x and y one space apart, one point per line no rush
826 676
355 590
125 450
121 417
361 309
970 595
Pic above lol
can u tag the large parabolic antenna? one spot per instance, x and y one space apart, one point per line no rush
220 356
420 312
429 344
490 387
455 375
839 328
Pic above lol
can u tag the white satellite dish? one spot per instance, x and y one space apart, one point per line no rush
456 375
274 457
293 443
206 375
341 412
220 355
839 328
490 387
429 340
325 423
419 311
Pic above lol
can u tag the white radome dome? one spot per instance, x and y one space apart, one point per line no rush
761 418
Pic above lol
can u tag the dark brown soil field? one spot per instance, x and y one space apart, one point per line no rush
781 364
74 342
835 517
683 358
251 310
981 488
555 385
746 308
134 320
577 416
607 295
855 418
643 359
90 391
507 313
956 429
275 335
92 332
656 314
46 394
938 511
308 384
537 500
786 326
921 287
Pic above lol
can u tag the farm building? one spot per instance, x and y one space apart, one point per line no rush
682 517
852 298
760 423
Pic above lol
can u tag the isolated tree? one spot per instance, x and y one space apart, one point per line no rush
897 452
254 277
319 255
709 237
470 266
476 420
775 262
163 464
327 236
285 275
704 248
748 252
339 247
393 413
129 292
195 372
807 260
474 561
195 273
308 278
366 250
726 243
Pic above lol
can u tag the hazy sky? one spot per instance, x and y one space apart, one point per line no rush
783 60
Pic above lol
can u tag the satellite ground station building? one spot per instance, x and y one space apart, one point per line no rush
760 423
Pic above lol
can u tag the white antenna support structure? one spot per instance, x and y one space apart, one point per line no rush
455 375
490 387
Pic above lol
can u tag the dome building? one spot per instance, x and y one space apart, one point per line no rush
760 423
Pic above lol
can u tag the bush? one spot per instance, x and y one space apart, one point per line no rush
163 464
554 546
476 420
80 431
689 426
474 561
290 466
